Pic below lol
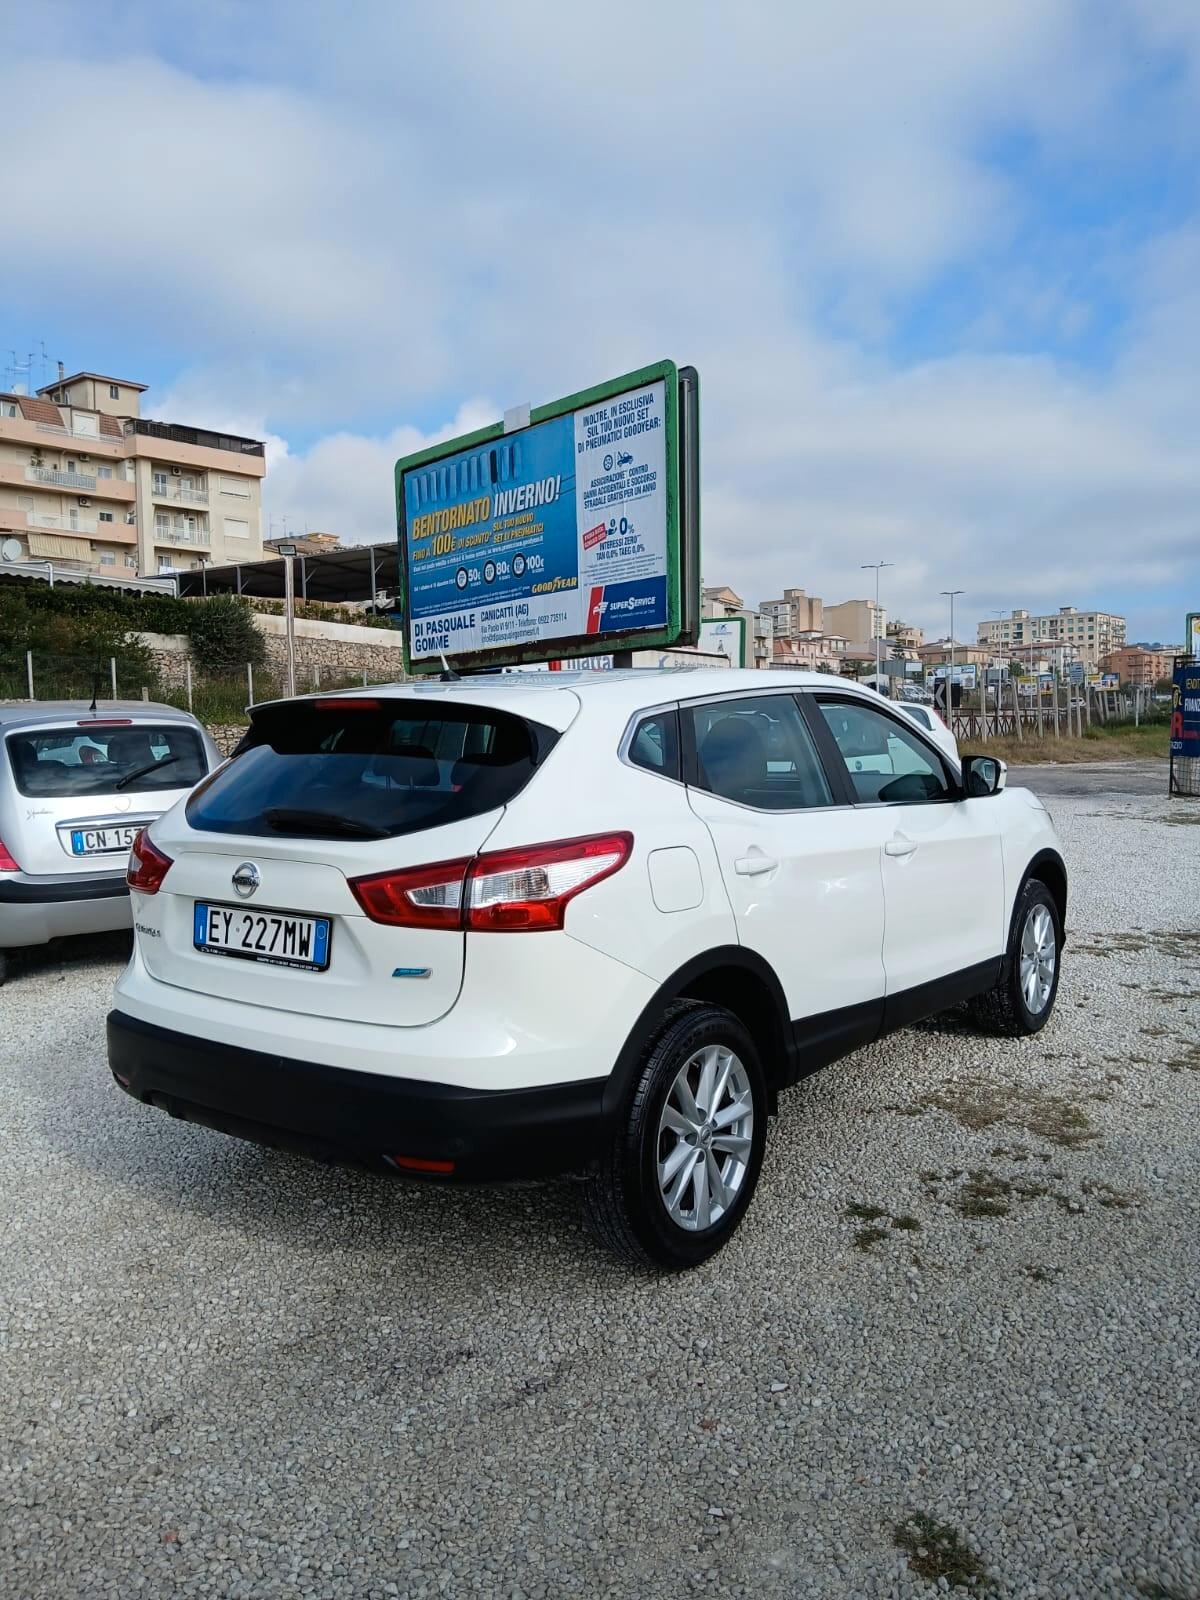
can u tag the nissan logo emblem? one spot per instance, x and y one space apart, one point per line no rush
246 879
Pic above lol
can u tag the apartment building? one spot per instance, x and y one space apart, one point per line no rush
795 614
89 484
1141 665
859 621
904 639
1067 634
810 652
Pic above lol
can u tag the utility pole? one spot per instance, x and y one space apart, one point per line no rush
876 567
288 552
950 680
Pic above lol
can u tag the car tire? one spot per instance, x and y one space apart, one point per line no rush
1023 999
646 1202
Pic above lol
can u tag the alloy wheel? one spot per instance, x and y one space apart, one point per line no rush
1039 953
705 1135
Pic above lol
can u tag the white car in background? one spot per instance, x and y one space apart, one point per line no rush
76 784
927 718
573 922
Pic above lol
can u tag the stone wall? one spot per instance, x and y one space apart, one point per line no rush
326 652
331 650
225 735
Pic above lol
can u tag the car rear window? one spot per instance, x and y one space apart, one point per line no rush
369 768
140 757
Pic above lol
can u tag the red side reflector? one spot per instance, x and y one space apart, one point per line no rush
148 866
419 1164
105 722
347 705
7 862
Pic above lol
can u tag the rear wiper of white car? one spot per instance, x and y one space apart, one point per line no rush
286 819
140 772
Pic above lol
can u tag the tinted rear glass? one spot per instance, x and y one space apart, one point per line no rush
141 758
381 768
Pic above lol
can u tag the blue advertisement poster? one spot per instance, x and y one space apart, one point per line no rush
556 531
1185 712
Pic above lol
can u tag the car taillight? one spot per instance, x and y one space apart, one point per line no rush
502 891
415 897
7 861
148 866
527 890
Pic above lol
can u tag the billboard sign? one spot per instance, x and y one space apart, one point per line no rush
1110 680
558 537
1191 635
725 636
966 677
1185 712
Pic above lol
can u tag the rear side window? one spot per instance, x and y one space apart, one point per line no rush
369 769
141 758
757 752
655 744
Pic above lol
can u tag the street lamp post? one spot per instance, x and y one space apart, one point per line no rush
876 567
288 552
950 680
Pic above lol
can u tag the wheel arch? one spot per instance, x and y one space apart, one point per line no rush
734 978
1049 868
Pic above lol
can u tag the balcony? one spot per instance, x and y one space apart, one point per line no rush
199 538
61 480
174 494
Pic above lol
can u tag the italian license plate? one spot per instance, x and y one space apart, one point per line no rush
103 841
277 937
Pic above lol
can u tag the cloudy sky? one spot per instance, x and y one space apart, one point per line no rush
938 264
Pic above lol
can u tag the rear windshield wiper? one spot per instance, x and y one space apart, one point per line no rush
140 772
286 819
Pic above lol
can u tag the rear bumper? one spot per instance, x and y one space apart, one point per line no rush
360 1118
35 908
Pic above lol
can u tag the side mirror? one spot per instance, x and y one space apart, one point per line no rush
983 775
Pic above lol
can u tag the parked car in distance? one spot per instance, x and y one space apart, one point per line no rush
574 922
76 784
926 717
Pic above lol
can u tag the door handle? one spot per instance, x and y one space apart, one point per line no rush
899 846
751 866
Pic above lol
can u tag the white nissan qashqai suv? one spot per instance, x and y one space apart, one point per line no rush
594 922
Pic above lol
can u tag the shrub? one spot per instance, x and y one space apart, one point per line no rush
222 634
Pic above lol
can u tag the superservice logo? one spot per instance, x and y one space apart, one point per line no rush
620 607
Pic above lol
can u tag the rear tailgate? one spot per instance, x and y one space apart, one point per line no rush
331 789
375 973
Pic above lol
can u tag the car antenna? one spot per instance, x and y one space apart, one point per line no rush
96 677
448 674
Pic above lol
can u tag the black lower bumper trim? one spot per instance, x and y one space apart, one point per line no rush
54 891
359 1118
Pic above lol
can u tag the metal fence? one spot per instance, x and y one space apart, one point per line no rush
215 696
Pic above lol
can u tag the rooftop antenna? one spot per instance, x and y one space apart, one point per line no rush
448 674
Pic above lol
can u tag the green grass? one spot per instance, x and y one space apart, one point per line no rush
1101 742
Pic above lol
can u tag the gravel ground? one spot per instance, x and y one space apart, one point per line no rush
955 1342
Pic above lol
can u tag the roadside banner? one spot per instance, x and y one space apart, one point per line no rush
1185 712
725 636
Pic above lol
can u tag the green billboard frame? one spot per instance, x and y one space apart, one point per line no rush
681 417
